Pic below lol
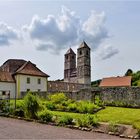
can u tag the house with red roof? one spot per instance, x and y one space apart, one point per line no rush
124 81
18 76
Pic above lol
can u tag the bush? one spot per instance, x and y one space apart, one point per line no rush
50 105
87 121
45 116
4 106
19 108
65 120
86 107
57 98
98 101
72 107
31 105
113 126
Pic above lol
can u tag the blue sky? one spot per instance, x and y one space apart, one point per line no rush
42 31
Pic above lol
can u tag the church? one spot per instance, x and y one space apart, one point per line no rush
80 72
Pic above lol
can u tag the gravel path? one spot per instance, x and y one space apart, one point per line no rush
20 129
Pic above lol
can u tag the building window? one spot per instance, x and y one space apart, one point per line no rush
28 90
87 52
39 81
80 52
28 80
39 90
72 57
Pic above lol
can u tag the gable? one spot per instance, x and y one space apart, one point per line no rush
30 69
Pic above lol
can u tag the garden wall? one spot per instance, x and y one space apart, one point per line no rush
123 96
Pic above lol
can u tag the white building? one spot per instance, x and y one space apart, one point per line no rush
19 76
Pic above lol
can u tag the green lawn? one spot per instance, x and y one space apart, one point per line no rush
111 114
119 115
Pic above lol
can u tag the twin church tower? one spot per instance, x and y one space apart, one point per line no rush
82 72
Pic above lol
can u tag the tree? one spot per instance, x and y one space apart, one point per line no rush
129 72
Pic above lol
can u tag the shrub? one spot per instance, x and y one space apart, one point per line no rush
50 105
45 116
4 106
60 107
98 101
86 107
72 107
19 111
113 126
31 105
87 121
57 98
65 120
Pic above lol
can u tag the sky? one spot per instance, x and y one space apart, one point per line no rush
42 31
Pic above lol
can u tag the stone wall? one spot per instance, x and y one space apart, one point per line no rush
127 95
122 95
57 86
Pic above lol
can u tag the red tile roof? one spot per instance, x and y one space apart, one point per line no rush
29 68
116 81
11 65
6 77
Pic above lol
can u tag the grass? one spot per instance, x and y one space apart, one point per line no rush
119 114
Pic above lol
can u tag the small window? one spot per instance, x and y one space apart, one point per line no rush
28 80
66 57
72 57
87 52
39 90
80 52
39 81
28 90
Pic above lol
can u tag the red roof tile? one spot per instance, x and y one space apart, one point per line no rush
6 77
116 81
29 68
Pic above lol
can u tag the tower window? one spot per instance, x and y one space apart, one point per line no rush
72 57
87 52
80 52
66 57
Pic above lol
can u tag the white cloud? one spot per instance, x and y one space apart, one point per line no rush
106 52
57 33
7 34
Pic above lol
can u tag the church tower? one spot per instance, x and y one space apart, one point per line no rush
70 66
83 64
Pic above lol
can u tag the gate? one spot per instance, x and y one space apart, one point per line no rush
4 102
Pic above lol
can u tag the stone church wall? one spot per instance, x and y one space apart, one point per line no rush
57 86
122 95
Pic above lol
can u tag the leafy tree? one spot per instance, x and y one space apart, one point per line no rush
129 72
